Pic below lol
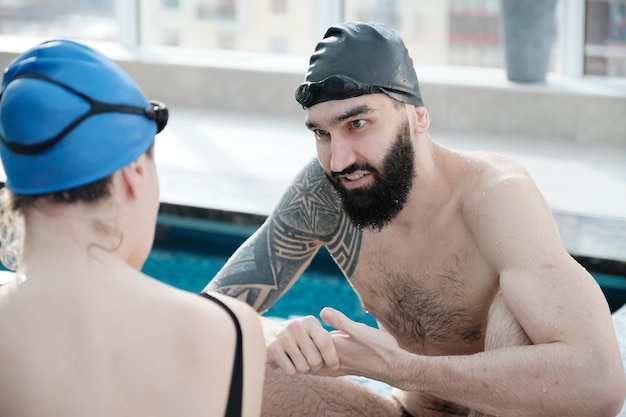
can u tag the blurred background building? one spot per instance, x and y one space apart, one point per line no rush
591 39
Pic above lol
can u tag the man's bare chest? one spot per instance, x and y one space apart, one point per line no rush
432 292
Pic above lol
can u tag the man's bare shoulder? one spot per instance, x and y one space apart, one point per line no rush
495 164
498 192
491 180
485 170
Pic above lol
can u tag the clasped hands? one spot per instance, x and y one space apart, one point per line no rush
304 346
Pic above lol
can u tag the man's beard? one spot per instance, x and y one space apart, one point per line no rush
376 206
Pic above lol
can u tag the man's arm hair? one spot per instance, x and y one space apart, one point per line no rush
308 215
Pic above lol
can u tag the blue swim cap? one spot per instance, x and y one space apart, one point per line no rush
70 116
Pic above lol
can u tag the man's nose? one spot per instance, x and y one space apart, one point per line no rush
342 153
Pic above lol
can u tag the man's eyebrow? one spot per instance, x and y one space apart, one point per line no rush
359 110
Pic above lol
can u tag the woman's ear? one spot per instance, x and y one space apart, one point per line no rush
133 176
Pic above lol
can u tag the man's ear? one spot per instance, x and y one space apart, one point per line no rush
421 119
133 176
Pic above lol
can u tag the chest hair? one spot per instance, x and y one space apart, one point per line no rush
422 304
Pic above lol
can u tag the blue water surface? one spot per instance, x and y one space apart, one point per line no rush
312 292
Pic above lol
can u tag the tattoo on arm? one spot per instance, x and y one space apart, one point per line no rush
346 247
308 215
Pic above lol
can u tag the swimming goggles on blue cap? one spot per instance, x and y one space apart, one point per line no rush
156 111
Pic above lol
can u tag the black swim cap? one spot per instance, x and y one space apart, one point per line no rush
356 58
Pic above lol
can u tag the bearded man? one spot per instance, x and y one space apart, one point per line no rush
480 309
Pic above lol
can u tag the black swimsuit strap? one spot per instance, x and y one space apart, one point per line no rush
235 398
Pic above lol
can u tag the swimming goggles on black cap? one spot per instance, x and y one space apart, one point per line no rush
156 111
335 87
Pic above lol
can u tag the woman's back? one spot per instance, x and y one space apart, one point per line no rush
119 345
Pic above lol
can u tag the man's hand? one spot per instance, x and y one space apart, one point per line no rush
299 345
362 350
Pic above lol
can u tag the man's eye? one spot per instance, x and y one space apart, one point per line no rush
357 123
320 133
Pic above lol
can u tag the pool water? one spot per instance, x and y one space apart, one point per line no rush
313 291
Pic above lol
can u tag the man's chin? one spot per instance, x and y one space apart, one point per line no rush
369 226
362 219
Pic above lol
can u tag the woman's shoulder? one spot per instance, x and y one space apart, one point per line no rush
239 311
213 314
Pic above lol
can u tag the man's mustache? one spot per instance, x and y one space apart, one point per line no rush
353 168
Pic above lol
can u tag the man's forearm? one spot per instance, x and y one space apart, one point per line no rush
538 380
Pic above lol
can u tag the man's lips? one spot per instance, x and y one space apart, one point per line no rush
355 180
353 177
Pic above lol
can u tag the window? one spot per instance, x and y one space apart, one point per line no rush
217 10
474 37
437 32
455 32
85 19
605 38
279 6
